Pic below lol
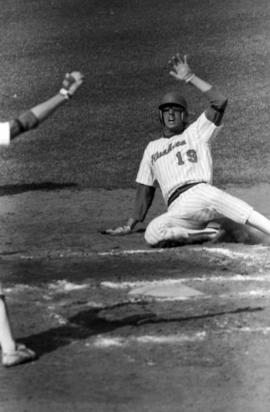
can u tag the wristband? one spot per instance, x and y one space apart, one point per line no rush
189 77
65 93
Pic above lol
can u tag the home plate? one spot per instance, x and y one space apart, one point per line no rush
174 291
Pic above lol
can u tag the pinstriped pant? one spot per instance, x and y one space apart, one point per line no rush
193 210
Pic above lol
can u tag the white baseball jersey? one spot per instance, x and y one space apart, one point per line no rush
181 159
4 133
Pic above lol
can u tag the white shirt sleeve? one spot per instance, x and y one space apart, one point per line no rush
145 174
204 129
4 133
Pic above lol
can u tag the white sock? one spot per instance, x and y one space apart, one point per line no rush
6 339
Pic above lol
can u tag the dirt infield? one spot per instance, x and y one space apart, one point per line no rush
55 220
102 346
73 293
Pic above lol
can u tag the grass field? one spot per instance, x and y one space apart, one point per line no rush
123 49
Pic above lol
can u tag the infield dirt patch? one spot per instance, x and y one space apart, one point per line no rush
70 220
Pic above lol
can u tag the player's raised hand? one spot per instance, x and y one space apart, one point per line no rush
180 68
71 83
119 231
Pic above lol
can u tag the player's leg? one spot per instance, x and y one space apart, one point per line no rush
232 208
12 353
240 233
6 339
236 209
258 221
187 218
185 222
170 230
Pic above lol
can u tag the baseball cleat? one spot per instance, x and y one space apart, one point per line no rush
20 355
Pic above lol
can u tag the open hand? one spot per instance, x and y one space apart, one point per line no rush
180 68
119 231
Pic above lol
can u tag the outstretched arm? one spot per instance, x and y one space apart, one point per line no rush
181 71
144 197
33 117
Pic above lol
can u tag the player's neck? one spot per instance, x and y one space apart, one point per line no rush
169 133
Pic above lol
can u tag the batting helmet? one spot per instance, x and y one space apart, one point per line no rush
173 97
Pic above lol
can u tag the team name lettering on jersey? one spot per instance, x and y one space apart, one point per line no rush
171 146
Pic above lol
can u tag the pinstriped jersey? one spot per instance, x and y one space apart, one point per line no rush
181 159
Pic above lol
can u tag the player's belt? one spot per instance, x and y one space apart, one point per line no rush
181 190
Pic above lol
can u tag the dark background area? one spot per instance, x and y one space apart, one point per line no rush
97 140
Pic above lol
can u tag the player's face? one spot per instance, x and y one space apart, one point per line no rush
173 120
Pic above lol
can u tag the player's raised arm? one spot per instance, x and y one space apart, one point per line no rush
33 117
181 70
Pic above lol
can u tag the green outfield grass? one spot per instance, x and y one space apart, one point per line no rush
123 48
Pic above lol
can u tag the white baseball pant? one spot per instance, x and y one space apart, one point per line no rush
190 213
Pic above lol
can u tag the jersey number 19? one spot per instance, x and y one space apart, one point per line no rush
191 157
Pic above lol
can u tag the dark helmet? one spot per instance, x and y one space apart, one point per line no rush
173 97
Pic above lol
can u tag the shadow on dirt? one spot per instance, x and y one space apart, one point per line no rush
9 190
91 323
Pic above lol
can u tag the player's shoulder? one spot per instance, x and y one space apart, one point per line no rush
159 140
195 123
195 119
156 142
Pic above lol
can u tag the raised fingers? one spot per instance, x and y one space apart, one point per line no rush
176 60
78 76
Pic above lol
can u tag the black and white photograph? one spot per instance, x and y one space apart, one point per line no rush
134 206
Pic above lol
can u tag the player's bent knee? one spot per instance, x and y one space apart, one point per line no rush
153 234
150 238
158 233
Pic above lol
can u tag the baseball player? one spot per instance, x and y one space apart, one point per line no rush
16 353
180 163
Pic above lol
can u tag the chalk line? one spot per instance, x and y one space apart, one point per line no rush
258 293
63 285
106 342
130 287
170 281
103 342
253 250
220 251
66 286
223 251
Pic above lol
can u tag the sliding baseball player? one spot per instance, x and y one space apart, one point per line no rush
180 163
